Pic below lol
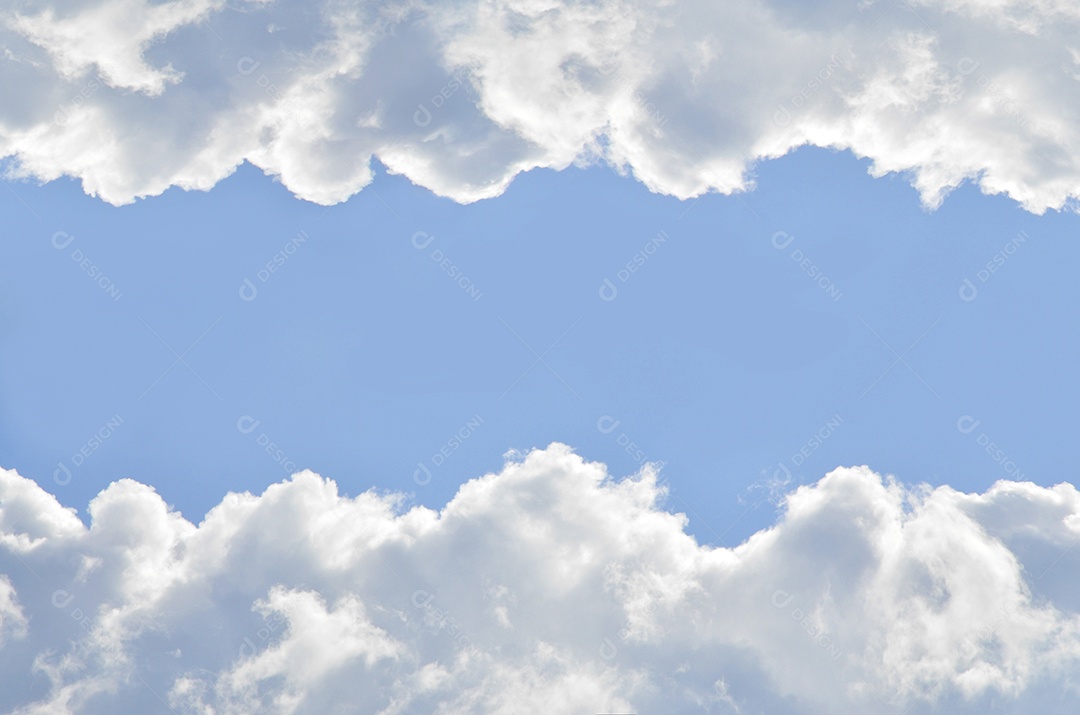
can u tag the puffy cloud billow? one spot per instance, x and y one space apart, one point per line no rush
547 587
136 96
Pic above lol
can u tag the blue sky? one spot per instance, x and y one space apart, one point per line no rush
539 356
361 357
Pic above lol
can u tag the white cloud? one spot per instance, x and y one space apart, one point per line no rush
548 587
137 96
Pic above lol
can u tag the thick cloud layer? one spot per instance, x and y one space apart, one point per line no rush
548 587
133 97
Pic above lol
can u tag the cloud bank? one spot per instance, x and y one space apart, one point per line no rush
136 96
547 587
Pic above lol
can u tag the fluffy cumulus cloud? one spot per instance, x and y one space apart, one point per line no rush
547 587
135 96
